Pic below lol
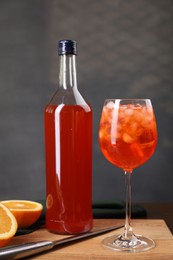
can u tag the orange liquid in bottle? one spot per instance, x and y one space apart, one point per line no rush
68 168
128 136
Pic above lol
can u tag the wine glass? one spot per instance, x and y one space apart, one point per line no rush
127 138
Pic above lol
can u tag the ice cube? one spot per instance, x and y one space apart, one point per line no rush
138 106
133 127
127 138
137 150
129 112
110 105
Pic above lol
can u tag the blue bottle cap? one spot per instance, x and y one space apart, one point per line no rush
67 47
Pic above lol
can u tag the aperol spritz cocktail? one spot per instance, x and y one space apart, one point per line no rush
128 138
128 134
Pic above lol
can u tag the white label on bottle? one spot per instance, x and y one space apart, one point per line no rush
57 140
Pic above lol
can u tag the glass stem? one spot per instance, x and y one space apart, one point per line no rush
128 233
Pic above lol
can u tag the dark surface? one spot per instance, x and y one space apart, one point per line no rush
160 211
125 50
107 210
117 210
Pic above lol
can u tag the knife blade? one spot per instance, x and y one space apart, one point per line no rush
32 248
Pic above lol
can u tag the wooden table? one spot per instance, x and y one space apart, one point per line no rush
93 248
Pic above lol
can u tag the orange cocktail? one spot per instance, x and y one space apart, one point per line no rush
128 137
127 134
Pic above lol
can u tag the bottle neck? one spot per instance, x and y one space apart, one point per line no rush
67 75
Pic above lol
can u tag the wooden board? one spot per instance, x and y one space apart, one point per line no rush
93 248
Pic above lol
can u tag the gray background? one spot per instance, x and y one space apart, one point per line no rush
125 50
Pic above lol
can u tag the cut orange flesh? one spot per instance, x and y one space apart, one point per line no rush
26 212
8 225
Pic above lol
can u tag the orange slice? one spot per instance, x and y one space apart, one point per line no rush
26 212
8 225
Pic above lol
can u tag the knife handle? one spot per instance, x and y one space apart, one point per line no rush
24 250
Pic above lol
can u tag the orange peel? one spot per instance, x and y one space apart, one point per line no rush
8 225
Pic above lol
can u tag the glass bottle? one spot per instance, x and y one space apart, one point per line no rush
68 145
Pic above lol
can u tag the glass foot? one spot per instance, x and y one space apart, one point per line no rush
137 243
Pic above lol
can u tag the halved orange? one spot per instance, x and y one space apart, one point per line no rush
26 212
8 225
